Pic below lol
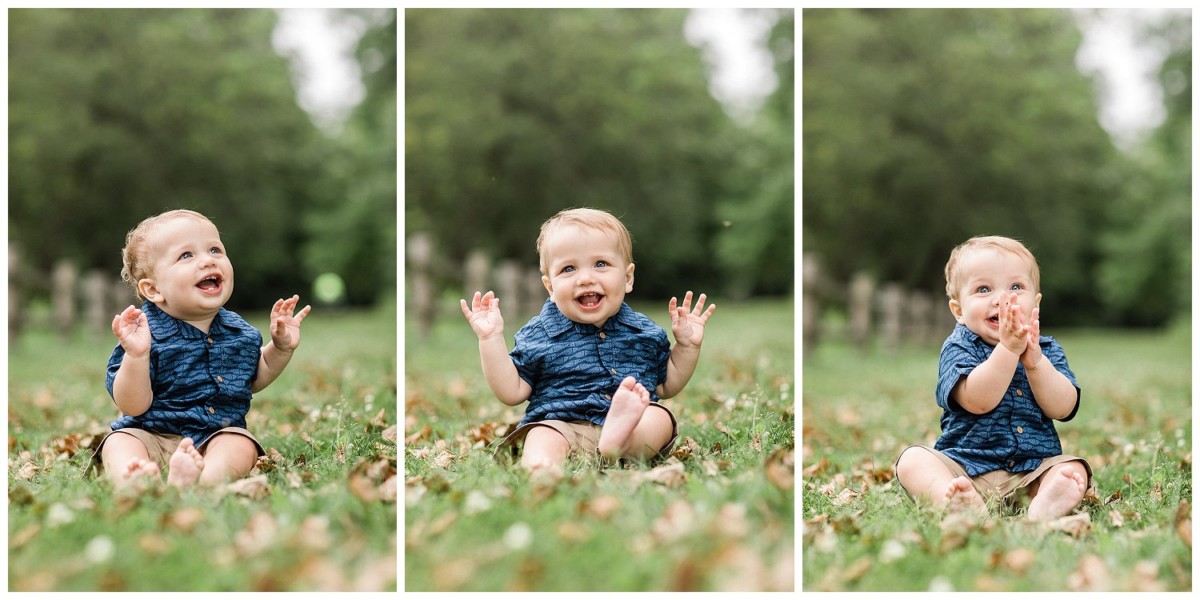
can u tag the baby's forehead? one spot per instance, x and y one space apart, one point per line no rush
975 259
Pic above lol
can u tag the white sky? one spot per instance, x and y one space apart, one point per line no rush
328 79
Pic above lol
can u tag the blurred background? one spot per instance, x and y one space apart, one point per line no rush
923 128
117 115
513 115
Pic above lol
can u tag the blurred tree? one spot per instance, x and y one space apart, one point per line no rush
116 115
757 245
513 115
1145 276
925 127
352 230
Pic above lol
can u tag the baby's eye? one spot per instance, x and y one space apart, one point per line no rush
1017 287
568 269
185 256
602 263
983 289
214 250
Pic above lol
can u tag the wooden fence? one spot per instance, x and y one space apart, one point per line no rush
884 314
88 299
518 285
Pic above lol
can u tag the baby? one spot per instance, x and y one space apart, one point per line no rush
1000 385
592 368
185 367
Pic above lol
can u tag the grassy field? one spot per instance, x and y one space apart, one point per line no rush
318 514
718 515
1134 426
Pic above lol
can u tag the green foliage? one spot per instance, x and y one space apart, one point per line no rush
116 115
926 127
1134 427
311 531
728 525
513 115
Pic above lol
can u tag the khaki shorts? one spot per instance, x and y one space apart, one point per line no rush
160 446
1001 484
582 436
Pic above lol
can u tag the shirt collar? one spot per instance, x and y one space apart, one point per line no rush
556 323
163 326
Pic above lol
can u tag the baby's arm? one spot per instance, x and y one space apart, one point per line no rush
131 386
688 328
498 368
285 338
1054 393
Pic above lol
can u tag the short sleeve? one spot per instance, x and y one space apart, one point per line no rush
1053 351
114 365
956 361
526 355
662 356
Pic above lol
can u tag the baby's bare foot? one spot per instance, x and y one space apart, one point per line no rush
185 464
628 403
962 497
1057 495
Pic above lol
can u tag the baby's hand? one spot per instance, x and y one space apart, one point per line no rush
1013 331
483 315
688 325
133 331
1033 347
285 328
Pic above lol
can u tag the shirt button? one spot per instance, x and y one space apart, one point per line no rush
211 410
613 371
209 340
1012 462
607 397
1019 393
602 336
1020 430
220 379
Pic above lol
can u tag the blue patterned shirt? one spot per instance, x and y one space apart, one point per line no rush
574 368
1015 436
201 383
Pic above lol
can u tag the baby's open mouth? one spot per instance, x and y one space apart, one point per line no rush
211 283
590 300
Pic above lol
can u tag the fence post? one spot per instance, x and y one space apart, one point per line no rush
96 294
862 292
475 273
891 300
63 281
810 295
420 271
535 292
508 286
919 317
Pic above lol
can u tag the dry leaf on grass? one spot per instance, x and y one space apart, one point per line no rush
677 521
1091 576
1183 522
258 535
255 488
670 474
845 497
601 507
389 434
27 471
374 480
184 519
1075 525
781 468
1019 560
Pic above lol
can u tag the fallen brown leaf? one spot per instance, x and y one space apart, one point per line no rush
601 507
255 488
845 497
27 471
1091 576
1183 522
1076 526
676 521
781 468
670 474
816 469
258 535
389 434
184 519
1019 560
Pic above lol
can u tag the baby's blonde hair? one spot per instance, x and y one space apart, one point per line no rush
585 217
994 242
135 256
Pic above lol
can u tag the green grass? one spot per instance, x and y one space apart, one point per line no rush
312 531
474 524
1134 427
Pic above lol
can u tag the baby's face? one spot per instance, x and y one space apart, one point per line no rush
987 277
586 275
191 278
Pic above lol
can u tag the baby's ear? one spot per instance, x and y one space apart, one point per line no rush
629 278
956 310
1037 300
546 284
149 290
